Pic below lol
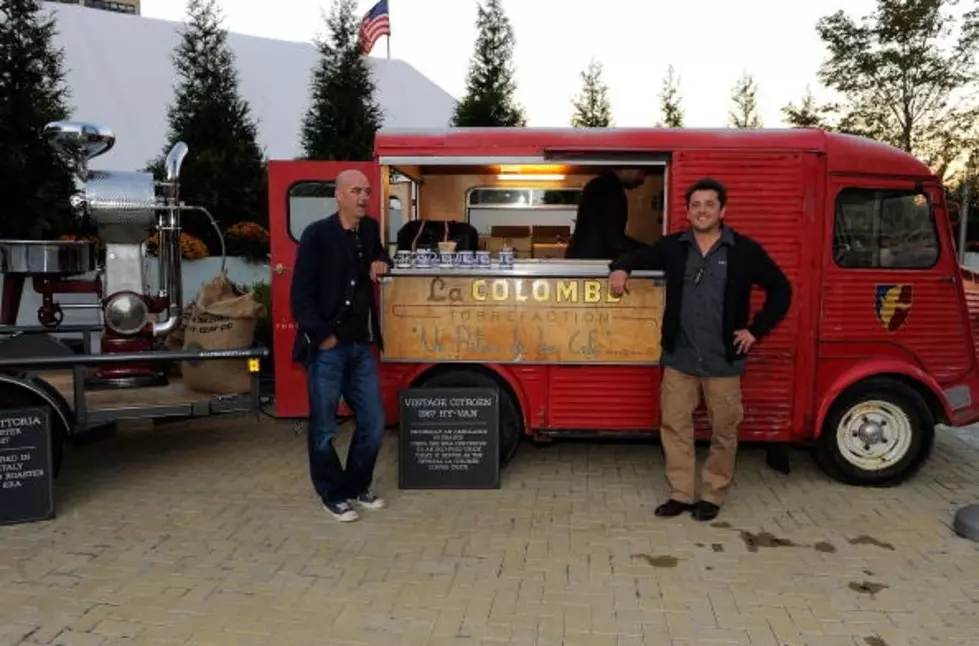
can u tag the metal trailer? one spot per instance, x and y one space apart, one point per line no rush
46 372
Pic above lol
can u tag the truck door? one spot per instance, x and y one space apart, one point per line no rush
300 192
890 277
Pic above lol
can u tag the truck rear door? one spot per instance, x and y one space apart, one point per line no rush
890 277
300 192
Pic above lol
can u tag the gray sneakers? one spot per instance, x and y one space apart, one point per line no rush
344 511
368 500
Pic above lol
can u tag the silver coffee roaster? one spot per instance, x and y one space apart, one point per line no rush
125 208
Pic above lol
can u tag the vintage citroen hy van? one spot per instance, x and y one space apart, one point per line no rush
877 349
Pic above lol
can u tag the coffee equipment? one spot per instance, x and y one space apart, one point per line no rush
125 208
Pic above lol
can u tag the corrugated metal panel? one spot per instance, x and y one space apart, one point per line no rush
766 198
603 397
933 331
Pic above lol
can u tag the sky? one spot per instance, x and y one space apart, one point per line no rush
710 43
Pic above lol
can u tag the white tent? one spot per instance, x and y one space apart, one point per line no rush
120 73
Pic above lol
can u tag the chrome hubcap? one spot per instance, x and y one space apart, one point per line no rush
874 435
871 432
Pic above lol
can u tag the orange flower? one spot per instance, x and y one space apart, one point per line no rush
252 230
191 248
247 239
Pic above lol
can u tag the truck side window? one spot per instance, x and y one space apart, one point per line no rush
520 205
884 229
308 202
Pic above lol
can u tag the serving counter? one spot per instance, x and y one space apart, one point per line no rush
538 311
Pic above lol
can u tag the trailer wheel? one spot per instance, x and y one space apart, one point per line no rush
511 421
879 432
24 391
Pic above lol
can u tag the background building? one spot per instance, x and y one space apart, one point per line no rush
120 73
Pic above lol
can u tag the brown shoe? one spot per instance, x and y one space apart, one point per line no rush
672 508
704 511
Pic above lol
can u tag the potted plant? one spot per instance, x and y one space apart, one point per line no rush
247 240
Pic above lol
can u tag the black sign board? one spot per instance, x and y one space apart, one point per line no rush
26 489
449 438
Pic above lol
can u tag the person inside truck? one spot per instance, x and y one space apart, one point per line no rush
332 295
706 333
603 212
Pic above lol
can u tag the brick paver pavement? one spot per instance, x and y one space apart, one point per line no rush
209 533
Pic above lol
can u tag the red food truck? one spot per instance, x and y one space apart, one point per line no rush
877 349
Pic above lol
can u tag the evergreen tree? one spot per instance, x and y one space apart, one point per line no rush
343 115
490 86
744 114
807 115
225 168
34 182
670 101
591 107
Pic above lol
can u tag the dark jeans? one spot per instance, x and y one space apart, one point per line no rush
350 370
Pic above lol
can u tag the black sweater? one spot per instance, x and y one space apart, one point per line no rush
324 281
748 264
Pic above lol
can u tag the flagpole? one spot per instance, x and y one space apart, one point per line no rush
388 39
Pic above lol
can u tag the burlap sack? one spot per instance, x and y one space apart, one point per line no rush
222 318
175 339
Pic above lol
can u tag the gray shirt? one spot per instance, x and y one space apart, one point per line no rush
701 346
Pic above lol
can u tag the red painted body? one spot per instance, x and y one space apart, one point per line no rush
783 187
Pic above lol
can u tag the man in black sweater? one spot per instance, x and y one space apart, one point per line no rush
710 270
332 296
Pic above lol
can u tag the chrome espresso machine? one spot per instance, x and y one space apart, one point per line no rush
124 207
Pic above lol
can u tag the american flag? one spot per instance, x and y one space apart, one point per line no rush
376 23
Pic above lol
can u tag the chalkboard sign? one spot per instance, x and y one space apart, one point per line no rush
25 465
449 438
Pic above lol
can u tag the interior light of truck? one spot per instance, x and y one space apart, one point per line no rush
531 172
529 177
530 168
253 365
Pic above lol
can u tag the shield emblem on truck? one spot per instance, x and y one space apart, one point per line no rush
892 303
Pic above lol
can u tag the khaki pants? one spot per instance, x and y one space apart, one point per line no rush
680 395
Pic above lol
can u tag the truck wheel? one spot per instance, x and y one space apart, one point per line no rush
24 391
511 421
879 432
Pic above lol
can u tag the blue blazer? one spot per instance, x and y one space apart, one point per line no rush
324 279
